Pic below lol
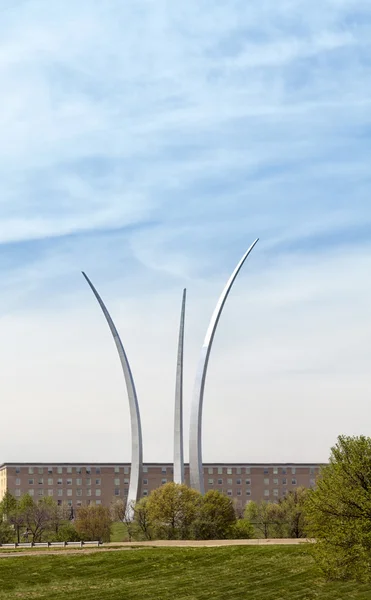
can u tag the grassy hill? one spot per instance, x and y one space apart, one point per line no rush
251 573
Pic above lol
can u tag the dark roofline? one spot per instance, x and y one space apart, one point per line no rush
157 464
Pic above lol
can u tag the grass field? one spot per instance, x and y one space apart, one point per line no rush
253 573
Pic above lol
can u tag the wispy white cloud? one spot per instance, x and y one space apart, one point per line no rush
149 143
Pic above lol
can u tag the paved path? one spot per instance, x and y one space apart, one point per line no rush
117 546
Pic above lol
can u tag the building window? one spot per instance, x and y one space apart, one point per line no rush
88 481
266 493
284 481
126 491
284 493
211 481
275 481
248 481
79 492
40 492
31 492
30 470
220 481
69 469
293 471
238 470
30 482
284 471
59 492
59 481
59 470
220 470
17 481
248 492
69 481
266 481
247 470
145 469
163 481
97 492
238 481
59 502
97 482
163 470
293 481
50 481
229 471
238 492
88 470
229 492
97 470
79 503
50 492
50 470
145 492
69 502
312 470
18 469
117 469
117 481
266 470
69 492
312 483
210 470
145 481
117 492
88 492
275 470
126 481
78 470
41 470
79 481
17 492
126 470
98 502
41 481
275 493
229 482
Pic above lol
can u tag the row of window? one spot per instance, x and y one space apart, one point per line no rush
248 481
78 470
60 481
126 470
60 492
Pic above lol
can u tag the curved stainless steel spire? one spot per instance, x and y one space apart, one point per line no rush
136 428
178 416
195 434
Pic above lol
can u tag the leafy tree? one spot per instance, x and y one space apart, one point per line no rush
67 533
242 529
215 517
122 511
141 516
339 511
38 517
8 504
172 509
291 513
6 533
265 517
94 523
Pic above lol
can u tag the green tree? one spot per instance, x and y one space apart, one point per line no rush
215 517
142 519
38 517
67 533
94 523
6 533
8 504
265 517
339 511
292 514
242 529
172 509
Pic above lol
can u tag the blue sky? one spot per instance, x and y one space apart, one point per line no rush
148 143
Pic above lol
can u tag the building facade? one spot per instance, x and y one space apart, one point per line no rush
99 483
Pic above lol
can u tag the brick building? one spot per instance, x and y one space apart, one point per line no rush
80 484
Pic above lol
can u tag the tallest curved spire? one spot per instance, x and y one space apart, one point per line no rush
195 433
136 428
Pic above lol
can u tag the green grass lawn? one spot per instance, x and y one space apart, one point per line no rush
119 532
251 573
